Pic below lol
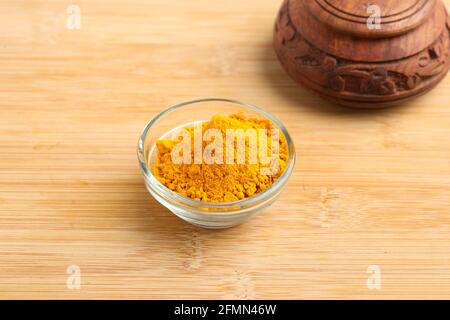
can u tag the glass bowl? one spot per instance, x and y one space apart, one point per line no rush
210 215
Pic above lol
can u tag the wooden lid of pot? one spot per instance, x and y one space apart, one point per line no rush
340 27
395 17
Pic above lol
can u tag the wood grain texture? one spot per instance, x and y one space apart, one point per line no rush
369 188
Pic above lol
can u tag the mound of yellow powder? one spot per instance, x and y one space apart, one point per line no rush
217 182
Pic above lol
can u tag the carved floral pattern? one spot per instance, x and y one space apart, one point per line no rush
343 75
374 81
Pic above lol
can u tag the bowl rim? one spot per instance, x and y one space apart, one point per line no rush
247 202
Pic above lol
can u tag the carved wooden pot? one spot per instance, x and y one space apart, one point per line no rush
364 57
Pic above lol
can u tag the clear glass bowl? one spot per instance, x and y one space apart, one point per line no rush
200 213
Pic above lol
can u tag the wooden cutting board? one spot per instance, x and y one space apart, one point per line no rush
370 192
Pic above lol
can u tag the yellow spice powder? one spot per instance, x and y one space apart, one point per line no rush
218 182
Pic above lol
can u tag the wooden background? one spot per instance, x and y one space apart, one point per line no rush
369 188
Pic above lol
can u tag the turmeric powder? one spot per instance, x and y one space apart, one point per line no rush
220 182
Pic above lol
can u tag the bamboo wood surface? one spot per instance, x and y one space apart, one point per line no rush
369 188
